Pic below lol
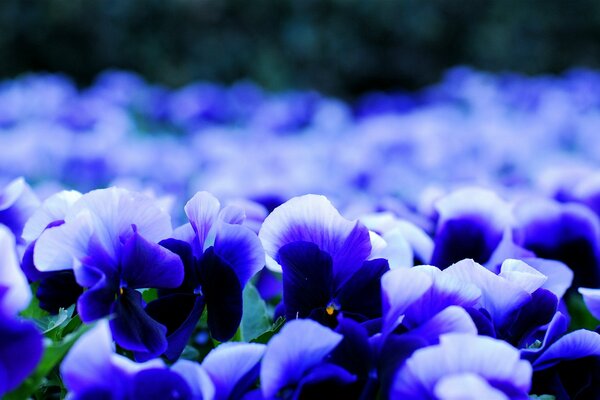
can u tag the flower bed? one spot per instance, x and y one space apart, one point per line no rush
465 263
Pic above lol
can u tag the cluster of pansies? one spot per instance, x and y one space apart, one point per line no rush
471 127
484 297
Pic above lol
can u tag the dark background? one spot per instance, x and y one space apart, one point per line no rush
340 47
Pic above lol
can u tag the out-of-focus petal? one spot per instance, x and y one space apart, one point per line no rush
18 295
467 386
17 203
20 351
591 297
197 379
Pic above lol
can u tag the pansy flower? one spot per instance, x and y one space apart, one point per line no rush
17 203
295 366
471 224
464 366
513 304
110 240
565 232
324 259
565 365
228 372
56 289
220 256
20 341
92 370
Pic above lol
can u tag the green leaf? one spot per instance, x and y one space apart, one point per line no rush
149 295
51 324
33 310
190 353
542 397
255 317
266 336
54 352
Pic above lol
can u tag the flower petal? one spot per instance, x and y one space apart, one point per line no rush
471 225
233 368
197 379
578 344
452 319
223 296
300 345
113 213
591 297
202 211
312 218
18 294
242 250
54 208
132 327
400 289
159 383
307 279
493 360
180 313
20 351
446 290
145 264
88 363
559 274
467 386
361 294
521 274
499 296
17 203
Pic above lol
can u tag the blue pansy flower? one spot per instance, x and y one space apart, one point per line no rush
565 365
56 289
565 232
324 259
514 303
228 372
220 256
20 341
471 224
17 203
295 366
110 239
464 366
419 305
91 370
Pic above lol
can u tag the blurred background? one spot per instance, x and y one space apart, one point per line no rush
385 104
341 48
